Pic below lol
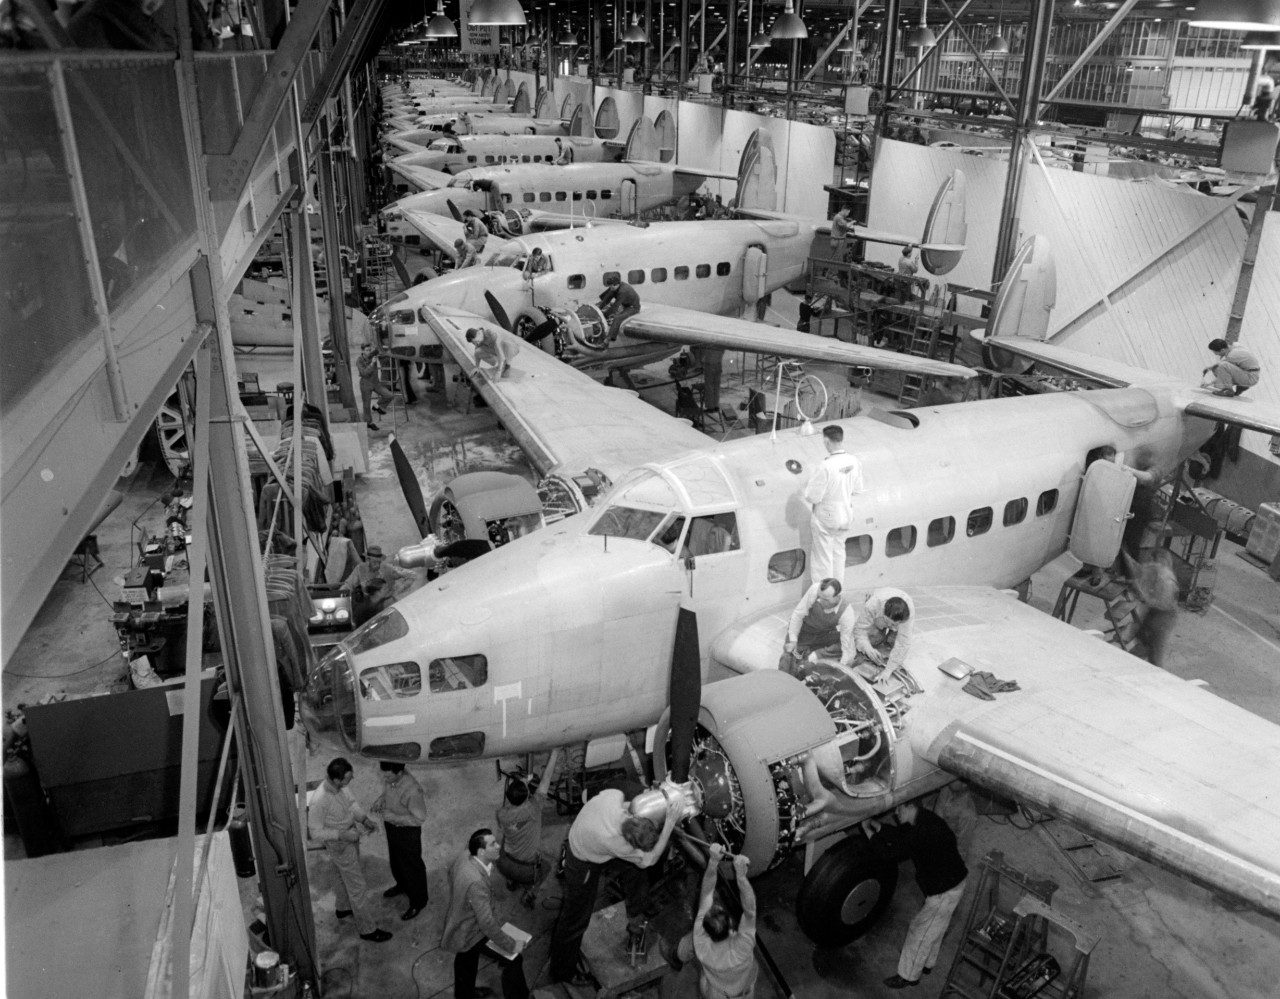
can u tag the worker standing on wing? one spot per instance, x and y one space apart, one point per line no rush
830 496
619 302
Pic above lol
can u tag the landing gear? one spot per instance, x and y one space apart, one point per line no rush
845 893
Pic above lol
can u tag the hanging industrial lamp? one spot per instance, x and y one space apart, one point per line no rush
788 26
761 41
497 13
921 36
997 44
440 26
1237 15
635 34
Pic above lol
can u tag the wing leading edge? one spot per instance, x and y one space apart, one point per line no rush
1131 754
561 418
670 324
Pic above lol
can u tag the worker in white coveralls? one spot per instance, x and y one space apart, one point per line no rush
830 495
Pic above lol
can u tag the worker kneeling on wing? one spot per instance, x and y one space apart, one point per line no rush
882 632
619 302
822 622
1236 370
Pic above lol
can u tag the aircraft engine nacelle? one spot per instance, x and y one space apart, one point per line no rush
754 732
509 223
585 329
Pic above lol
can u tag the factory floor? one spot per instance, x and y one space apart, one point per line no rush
1159 936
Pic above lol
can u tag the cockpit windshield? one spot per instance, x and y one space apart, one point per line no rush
441 146
462 180
627 522
509 256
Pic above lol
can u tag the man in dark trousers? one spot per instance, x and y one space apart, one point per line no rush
470 923
619 302
929 843
604 832
404 809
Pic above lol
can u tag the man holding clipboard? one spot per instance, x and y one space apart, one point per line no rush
470 924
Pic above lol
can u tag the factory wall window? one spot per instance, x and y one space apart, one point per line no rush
591 195
900 541
658 275
722 269
383 683
466 746
979 522
544 195
712 535
703 270
1015 512
577 281
635 277
858 550
940 532
610 275
1047 502
561 196
682 274
530 196
458 673
784 566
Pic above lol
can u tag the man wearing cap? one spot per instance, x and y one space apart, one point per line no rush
1236 369
377 577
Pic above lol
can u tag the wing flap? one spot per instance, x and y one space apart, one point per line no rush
1240 410
1131 754
561 418
669 324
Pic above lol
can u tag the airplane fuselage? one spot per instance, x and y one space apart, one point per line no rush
694 265
467 152
566 635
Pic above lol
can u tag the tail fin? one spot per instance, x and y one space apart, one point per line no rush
758 174
543 107
580 124
567 108
1027 294
642 143
946 225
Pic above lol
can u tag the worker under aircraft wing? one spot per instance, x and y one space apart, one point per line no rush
1132 754
560 417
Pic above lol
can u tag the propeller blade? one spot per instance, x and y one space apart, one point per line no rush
453 210
499 313
685 692
409 486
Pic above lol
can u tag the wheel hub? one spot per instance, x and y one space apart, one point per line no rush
860 901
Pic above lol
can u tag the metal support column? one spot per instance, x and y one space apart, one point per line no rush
1033 67
731 54
1261 208
333 270
888 55
684 51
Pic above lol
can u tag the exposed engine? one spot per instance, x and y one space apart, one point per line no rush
507 223
747 768
580 333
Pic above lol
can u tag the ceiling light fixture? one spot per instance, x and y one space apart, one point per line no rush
788 26
440 26
1256 41
497 13
761 41
635 34
921 37
1237 15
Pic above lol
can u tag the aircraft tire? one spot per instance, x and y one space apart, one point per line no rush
845 893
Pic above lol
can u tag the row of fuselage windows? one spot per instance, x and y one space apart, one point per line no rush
490 158
657 275
529 197
788 565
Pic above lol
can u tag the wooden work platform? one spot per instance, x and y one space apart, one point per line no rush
605 949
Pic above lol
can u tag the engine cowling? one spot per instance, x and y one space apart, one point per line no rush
580 331
508 223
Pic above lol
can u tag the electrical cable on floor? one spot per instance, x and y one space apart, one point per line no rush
413 972
102 595
61 676
351 982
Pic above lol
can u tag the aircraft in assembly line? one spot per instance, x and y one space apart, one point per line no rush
693 278
435 166
681 569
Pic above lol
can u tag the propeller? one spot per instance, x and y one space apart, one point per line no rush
453 210
499 313
409 486
685 693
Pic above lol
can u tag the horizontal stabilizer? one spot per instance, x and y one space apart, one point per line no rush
1240 410
669 324
685 171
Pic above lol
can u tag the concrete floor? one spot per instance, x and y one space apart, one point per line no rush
1159 935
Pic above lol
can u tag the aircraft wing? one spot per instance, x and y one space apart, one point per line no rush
670 324
1133 755
441 232
1252 414
561 418
423 178
709 174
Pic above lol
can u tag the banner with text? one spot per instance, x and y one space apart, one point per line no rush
476 38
